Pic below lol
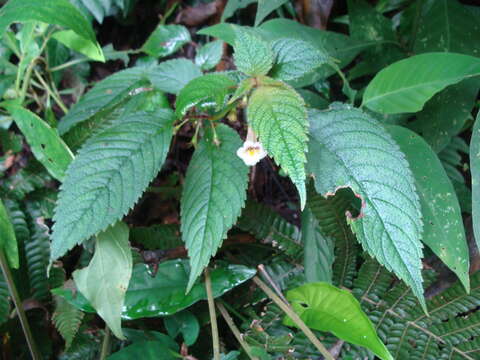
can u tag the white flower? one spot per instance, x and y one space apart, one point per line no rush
251 152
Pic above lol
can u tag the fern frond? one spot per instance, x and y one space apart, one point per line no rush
37 251
157 236
268 226
330 213
25 181
85 346
5 304
67 319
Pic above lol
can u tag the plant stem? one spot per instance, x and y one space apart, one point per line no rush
51 93
68 64
19 307
235 331
295 318
213 316
105 344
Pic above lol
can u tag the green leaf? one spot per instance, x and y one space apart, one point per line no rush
318 250
67 319
406 85
444 116
44 141
324 307
213 195
447 25
166 40
145 350
53 12
234 5
159 236
442 217
163 293
185 323
265 7
209 55
295 58
278 116
206 91
103 97
475 170
171 76
8 241
348 148
253 56
223 31
105 280
73 41
108 176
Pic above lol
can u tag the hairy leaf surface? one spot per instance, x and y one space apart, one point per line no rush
278 116
406 85
253 56
347 148
108 176
171 76
105 280
213 196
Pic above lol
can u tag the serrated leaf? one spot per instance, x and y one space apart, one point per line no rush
475 169
253 56
104 96
166 40
209 55
207 91
318 250
46 144
105 280
265 7
108 176
295 58
73 41
442 218
58 12
444 116
278 116
447 25
324 307
213 196
67 319
406 85
8 241
163 294
348 148
172 75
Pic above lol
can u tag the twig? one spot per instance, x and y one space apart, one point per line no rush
19 307
213 316
105 344
275 287
295 318
235 331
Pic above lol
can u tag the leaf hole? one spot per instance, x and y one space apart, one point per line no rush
302 304
42 146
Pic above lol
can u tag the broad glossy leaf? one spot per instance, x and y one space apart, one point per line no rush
166 40
185 323
209 55
447 25
104 281
253 56
444 116
475 169
72 40
103 97
8 241
278 116
406 85
108 176
163 294
442 218
207 91
172 75
295 58
265 7
44 141
145 350
214 194
347 148
318 250
324 307
54 12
